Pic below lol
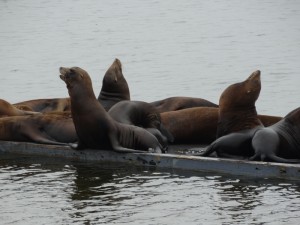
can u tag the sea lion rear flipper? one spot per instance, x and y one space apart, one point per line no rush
118 148
209 150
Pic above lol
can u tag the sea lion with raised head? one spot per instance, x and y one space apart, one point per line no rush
237 109
94 126
114 86
178 103
238 119
46 128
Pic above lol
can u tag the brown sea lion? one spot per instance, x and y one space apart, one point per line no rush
46 105
94 126
178 103
46 128
237 109
141 114
7 109
238 118
199 125
114 86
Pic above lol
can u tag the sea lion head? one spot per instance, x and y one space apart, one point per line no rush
243 94
74 76
76 79
114 82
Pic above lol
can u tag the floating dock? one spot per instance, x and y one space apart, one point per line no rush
168 161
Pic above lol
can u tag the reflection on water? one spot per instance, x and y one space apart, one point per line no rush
35 190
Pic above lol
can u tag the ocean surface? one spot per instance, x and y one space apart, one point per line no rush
167 48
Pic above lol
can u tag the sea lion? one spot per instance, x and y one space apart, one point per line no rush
199 125
7 109
238 120
46 105
114 86
279 142
141 114
178 103
94 126
46 128
237 109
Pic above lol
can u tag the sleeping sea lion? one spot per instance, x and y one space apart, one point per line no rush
178 103
7 109
46 105
46 128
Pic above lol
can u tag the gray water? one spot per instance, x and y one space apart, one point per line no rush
168 48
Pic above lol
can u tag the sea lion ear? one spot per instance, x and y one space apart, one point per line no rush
116 79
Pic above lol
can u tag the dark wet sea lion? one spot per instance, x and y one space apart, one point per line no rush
46 105
178 103
279 142
238 119
114 86
141 114
94 126
199 125
7 109
47 128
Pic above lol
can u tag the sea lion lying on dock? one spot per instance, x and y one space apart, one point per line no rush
47 128
46 105
7 109
199 125
178 103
